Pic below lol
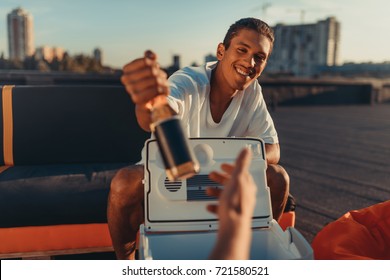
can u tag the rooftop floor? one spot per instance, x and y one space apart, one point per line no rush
338 159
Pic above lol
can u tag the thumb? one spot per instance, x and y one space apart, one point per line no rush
151 55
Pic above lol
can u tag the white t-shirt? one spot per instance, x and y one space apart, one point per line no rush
247 114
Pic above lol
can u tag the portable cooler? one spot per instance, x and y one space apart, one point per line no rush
177 224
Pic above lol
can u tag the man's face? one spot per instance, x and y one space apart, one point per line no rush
245 59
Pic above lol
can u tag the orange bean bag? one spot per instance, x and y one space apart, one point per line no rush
361 234
37 241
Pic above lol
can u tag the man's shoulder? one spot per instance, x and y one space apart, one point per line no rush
197 74
253 91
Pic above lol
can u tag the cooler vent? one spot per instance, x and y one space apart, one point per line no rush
172 186
197 185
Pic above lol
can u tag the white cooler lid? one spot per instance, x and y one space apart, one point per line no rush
181 205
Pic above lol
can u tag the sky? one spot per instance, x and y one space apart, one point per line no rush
124 29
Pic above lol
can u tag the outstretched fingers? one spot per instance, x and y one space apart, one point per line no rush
219 177
214 192
243 161
235 178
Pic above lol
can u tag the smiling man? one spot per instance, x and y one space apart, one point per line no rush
219 99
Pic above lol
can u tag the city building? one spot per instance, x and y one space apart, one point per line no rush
20 34
49 53
210 57
367 69
301 49
176 61
58 53
98 55
175 65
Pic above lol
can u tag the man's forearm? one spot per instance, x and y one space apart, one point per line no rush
143 117
272 153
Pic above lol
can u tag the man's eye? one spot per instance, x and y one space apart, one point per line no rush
240 50
259 58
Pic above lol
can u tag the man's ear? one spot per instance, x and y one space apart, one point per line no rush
220 51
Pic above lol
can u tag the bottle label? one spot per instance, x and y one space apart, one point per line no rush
172 143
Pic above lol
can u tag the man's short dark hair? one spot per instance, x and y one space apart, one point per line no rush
252 24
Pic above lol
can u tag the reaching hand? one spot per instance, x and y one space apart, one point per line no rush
235 208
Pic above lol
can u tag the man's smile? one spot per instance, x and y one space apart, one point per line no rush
242 71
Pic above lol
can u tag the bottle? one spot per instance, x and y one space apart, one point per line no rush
179 160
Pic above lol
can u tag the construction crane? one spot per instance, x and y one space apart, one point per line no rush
264 7
302 13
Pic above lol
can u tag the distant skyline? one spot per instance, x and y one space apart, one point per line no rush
123 29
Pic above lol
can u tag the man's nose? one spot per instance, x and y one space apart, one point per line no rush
250 60
253 62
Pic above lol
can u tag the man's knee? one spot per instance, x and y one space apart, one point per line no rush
278 177
126 187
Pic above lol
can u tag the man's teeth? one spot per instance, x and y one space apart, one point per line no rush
242 72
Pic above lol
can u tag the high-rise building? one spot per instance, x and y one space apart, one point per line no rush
49 53
301 49
20 34
98 55
58 53
176 61
175 65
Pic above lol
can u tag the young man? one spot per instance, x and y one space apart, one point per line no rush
219 99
